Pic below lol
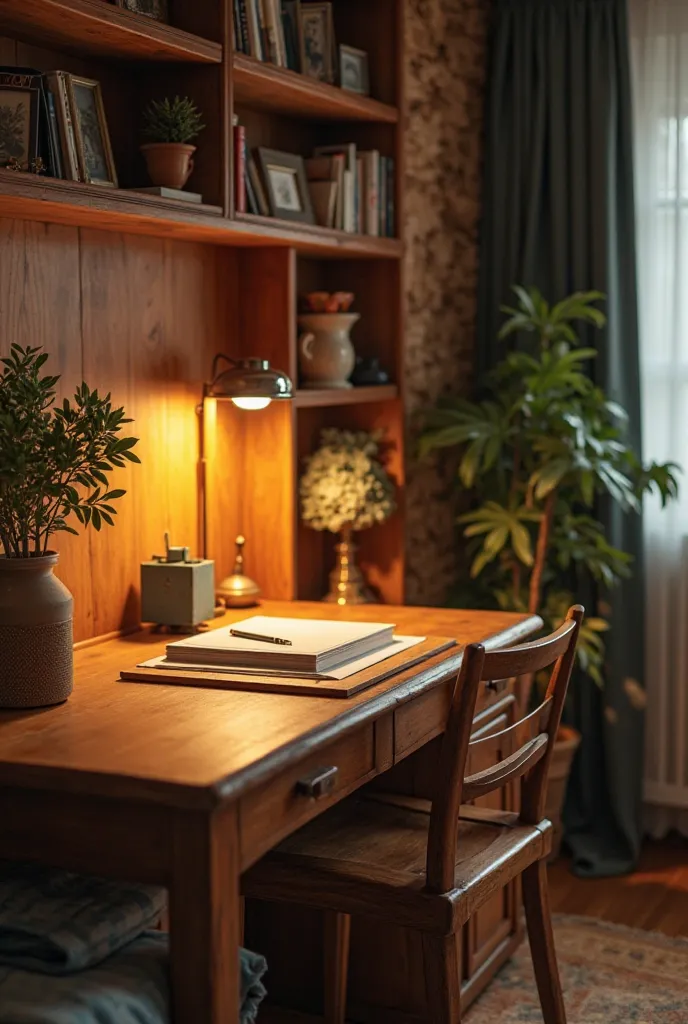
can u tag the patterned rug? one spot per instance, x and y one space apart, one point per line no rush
610 975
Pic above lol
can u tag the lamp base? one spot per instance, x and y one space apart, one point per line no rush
347 585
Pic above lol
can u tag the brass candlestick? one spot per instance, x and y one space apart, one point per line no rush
347 585
238 590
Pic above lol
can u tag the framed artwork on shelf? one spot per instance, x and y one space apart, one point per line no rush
316 30
156 9
94 151
286 186
18 123
353 70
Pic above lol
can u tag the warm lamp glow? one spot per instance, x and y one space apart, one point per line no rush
251 403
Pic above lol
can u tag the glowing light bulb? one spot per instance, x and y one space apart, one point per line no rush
251 403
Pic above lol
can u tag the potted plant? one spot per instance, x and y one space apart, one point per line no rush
535 453
346 488
170 125
54 466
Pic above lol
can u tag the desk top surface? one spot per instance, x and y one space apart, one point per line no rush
189 746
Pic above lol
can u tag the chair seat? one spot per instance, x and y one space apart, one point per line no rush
367 856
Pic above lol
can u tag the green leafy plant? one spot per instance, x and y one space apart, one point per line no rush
345 484
535 454
176 120
54 459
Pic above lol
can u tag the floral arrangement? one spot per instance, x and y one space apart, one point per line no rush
345 483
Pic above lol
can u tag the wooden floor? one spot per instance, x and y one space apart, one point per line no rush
654 898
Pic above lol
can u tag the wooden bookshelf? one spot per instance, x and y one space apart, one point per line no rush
259 265
97 27
279 90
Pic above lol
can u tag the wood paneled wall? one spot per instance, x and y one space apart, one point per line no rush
141 318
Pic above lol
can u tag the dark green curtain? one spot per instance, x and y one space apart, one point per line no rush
559 214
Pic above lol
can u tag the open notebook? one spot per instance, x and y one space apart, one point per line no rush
317 645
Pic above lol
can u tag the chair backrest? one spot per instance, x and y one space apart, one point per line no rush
529 741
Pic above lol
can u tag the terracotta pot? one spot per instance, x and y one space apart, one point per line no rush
566 745
326 355
35 633
169 163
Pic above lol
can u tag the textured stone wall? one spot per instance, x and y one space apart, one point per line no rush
446 48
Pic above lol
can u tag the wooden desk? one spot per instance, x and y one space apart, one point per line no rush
188 787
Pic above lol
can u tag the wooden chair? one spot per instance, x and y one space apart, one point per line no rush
430 867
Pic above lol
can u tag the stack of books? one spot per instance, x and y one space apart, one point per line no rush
352 190
268 30
308 648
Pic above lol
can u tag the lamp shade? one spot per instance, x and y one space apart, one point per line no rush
249 383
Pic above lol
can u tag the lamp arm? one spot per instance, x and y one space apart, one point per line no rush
218 358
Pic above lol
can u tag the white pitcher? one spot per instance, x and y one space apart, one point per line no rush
326 355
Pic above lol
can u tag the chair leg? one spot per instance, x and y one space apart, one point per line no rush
541 938
337 933
442 968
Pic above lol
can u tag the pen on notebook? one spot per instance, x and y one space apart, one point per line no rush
259 636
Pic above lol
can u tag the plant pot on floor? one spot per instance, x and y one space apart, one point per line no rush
565 747
169 163
36 667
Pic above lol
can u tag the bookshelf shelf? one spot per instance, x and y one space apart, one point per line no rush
307 399
29 197
96 27
266 87
308 238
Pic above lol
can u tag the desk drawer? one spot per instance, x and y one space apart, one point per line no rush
419 721
305 790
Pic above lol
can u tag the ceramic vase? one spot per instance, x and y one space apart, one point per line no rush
326 354
347 585
169 163
36 664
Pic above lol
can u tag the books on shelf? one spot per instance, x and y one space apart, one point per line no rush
268 30
350 190
363 183
314 645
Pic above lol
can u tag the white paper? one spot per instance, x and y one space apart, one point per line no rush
399 644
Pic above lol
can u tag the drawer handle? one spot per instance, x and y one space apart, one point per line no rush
318 783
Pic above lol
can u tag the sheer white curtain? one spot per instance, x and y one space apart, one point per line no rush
659 49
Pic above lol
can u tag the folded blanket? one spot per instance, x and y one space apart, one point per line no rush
129 987
58 923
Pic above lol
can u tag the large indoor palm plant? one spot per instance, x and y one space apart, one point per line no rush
537 451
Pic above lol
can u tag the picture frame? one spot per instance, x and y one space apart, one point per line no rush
94 152
353 70
158 10
19 122
286 186
316 41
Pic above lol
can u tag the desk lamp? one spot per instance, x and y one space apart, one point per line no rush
250 384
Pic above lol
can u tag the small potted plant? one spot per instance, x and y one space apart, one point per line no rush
346 488
170 125
54 466
535 455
